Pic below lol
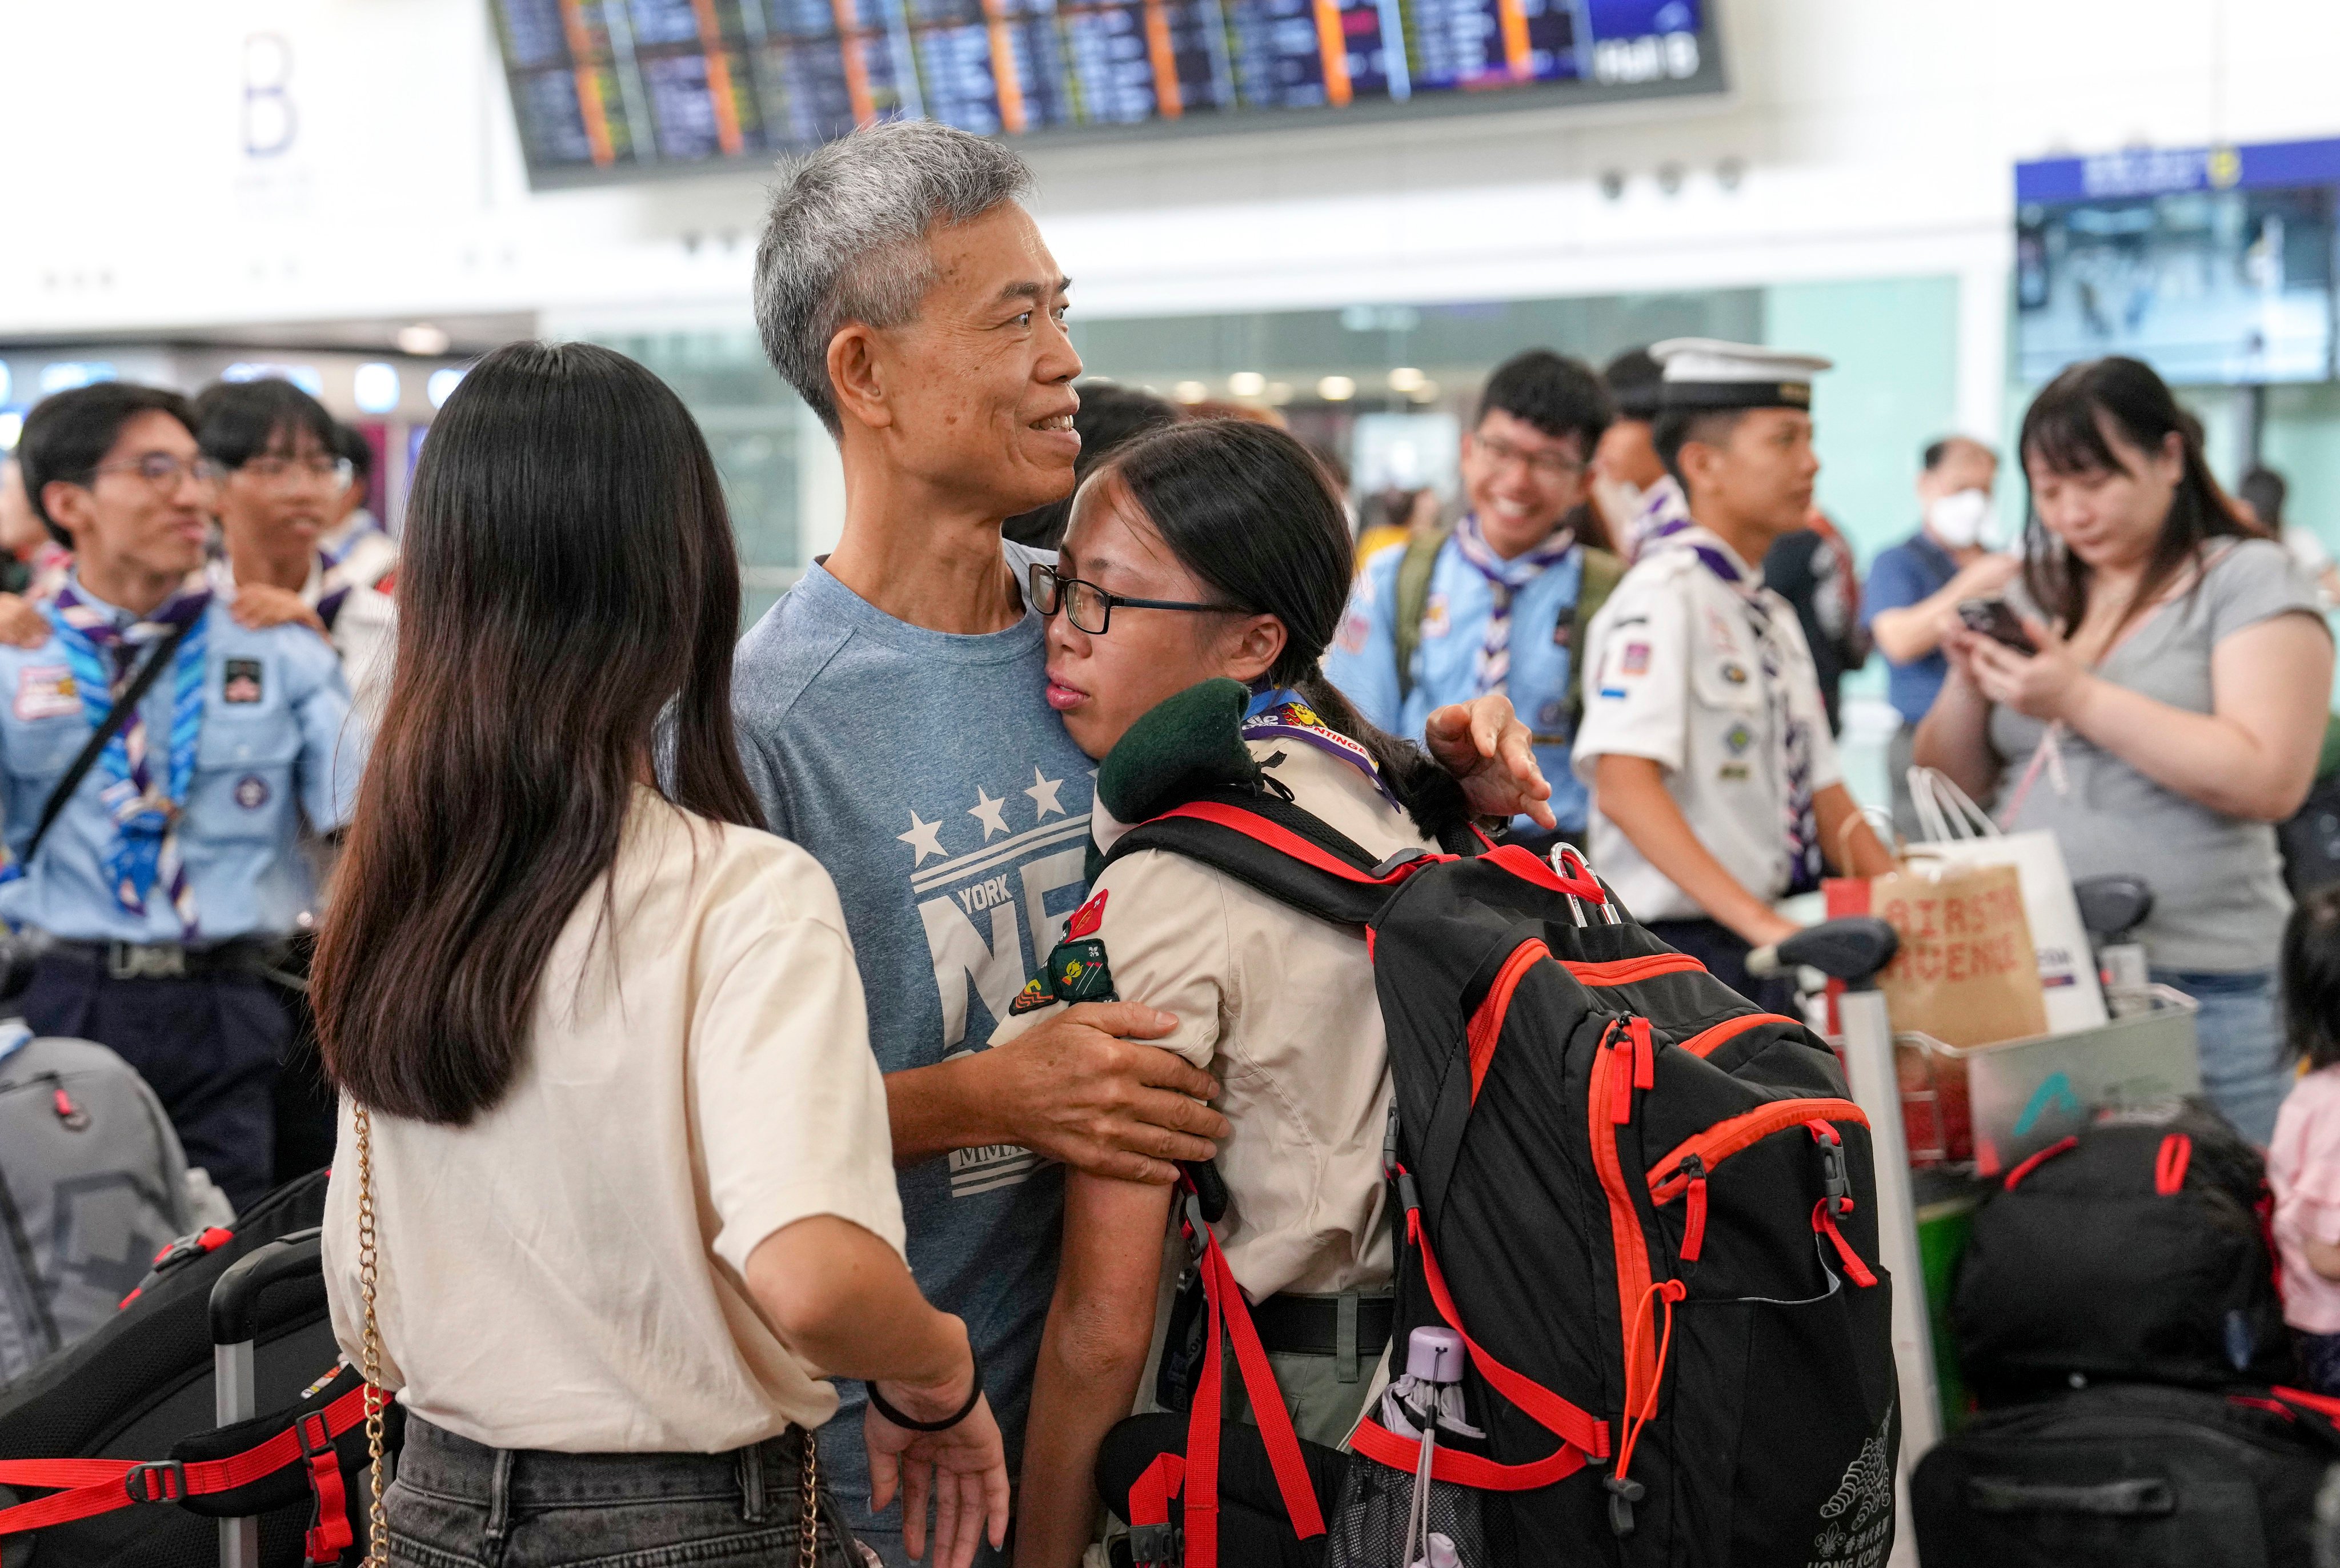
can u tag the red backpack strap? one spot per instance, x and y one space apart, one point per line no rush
1285 851
95 1487
1229 1313
1582 1437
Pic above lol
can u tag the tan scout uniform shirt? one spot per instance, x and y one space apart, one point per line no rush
1674 671
1281 1007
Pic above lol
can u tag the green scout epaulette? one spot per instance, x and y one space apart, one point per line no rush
1077 970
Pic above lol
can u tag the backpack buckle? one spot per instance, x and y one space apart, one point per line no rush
1834 1178
1386 868
1156 1545
156 1481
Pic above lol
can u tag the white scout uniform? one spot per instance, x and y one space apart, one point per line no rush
1678 661
1281 1007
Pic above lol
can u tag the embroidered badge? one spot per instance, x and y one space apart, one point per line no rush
1435 622
1035 996
1088 916
1717 632
1551 715
47 692
1078 972
1738 738
1356 629
1733 772
1734 672
251 792
240 680
1637 659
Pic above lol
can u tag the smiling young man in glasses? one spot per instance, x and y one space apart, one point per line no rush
1497 604
284 484
173 870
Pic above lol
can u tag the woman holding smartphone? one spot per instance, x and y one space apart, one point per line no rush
614 1192
2171 708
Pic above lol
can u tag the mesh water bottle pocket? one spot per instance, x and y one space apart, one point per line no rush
1367 1528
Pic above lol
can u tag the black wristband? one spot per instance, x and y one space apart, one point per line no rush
973 1395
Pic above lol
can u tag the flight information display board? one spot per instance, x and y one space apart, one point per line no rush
622 88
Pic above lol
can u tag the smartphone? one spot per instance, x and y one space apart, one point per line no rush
1994 619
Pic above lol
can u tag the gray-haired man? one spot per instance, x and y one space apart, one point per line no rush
893 720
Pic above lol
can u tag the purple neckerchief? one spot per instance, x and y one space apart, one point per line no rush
1284 712
1795 745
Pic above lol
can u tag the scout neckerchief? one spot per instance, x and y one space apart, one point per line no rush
1794 736
1492 667
1663 513
1282 713
145 807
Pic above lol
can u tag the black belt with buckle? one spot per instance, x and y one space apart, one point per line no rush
166 960
1311 1324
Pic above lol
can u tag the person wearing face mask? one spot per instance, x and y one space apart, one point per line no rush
1640 499
1202 577
1496 605
2171 710
1911 601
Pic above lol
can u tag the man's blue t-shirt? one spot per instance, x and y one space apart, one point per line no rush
928 774
1363 660
1913 569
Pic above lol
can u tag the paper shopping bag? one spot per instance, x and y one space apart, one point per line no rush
1965 972
1959 833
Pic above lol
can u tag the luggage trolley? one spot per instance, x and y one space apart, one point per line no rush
2015 1098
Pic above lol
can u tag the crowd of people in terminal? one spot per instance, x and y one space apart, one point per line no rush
723 1032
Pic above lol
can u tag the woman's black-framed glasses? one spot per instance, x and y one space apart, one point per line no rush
1090 608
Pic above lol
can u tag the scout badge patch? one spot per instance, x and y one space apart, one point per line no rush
1078 970
47 692
240 680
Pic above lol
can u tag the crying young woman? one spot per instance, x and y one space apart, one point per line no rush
1203 575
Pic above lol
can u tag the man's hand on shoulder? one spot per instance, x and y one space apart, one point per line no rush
1493 755
1081 1088
20 625
261 605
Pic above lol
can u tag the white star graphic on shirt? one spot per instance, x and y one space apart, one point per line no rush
1043 794
925 838
991 813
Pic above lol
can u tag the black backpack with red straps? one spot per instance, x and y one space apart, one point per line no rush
1647 1207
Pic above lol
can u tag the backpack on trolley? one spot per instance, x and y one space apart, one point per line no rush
1637 1214
208 1422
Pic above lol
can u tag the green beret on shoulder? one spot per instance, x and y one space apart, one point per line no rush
1185 746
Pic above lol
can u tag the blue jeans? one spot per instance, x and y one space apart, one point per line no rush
458 1505
2241 1044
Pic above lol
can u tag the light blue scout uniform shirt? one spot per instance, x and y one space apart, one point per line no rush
1363 661
263 761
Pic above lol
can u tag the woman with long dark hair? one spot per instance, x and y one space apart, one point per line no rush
2172 709
614 1191
1202 579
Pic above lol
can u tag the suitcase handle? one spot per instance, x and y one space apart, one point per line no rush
2138 1497
236 1299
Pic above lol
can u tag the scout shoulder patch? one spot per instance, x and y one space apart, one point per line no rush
240 680
1637 659
1078 973
1088 916
47 692
1435 620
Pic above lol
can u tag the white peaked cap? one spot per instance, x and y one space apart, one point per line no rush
1709 373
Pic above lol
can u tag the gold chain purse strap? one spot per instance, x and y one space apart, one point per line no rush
368 1276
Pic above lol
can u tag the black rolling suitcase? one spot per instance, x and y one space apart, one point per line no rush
2129 1476
144 1445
